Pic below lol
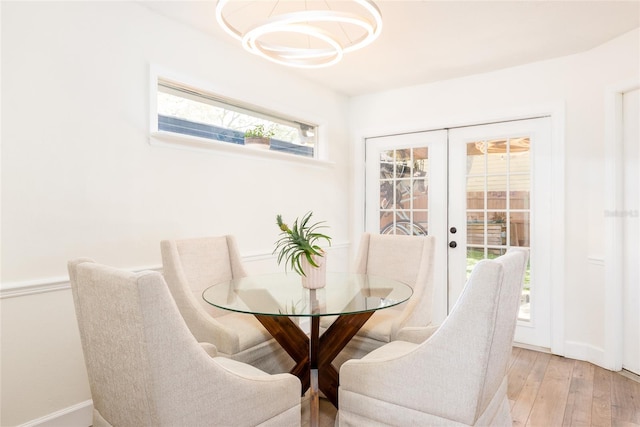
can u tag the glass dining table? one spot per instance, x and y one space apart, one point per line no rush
280 302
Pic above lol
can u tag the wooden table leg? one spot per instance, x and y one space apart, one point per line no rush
315 352
332 341
294 341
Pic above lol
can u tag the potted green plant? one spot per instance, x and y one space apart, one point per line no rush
258 137
298 248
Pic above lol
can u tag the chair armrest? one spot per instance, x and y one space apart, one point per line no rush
209 348
416 334
450 364
404 367
248 395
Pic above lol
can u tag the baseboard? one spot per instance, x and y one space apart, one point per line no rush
586 352
631 375
532 347
79 415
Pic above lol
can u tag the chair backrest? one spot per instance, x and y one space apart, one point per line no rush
145 367
203 261
405 258
478 334
133 339
514 264
192 265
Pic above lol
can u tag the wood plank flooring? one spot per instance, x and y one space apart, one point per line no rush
548 391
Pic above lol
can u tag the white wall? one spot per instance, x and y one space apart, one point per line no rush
578 85
79 177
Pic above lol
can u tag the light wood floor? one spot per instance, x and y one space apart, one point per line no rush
547 391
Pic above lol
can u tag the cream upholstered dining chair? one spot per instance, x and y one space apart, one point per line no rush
458 375
192 265
405 258
146 369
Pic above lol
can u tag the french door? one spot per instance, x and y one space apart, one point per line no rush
479 190
406 193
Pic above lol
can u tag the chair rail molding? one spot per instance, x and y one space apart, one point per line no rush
61 283
44 285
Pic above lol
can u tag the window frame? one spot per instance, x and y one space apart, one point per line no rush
170 139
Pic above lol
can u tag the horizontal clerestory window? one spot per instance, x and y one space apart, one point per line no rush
189 111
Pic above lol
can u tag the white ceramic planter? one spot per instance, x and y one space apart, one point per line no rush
315 277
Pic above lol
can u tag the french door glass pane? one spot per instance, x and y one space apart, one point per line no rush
498 202
404 191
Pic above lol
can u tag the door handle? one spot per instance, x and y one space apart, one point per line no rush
453 244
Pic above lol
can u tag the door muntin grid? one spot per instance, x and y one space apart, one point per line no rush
498 191
404 191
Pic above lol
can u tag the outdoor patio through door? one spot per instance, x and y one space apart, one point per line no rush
479 190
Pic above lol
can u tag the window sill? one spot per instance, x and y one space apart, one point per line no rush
194 143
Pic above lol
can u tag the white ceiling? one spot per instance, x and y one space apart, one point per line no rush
425 41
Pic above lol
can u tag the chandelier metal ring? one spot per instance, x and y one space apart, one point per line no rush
303 58
301 23
302 18
293 22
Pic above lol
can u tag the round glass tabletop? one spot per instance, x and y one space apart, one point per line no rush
282 294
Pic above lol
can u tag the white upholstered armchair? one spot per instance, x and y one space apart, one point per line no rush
457 376
146 369
405 258
192 265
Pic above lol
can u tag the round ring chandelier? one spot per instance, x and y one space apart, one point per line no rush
306 34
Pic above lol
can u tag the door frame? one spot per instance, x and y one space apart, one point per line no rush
556 110
613 228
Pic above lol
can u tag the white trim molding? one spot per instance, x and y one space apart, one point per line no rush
52 284
31 287
558 226
586 352
203 145
78 415
613 227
